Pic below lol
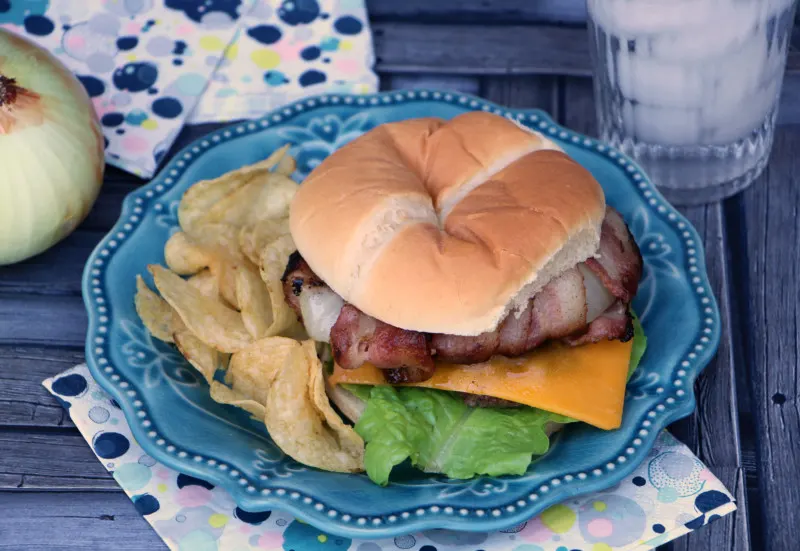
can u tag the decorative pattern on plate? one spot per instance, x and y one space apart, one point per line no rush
181 427
321 137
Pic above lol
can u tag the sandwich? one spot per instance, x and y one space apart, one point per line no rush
472 288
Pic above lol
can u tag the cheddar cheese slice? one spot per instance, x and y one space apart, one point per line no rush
585 382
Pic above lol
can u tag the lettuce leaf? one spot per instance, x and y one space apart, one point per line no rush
639 345
438 433
441 434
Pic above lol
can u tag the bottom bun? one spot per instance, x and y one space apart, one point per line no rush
352 406
348 403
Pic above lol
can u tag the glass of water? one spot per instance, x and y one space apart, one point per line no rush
690 88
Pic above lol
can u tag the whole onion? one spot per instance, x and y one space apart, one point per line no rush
51 150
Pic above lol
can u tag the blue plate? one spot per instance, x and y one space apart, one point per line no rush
171 415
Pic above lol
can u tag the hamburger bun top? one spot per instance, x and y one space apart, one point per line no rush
446 226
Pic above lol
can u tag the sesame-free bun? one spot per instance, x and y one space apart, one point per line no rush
446 226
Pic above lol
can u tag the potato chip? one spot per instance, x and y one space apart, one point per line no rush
274 259
253 239
250 374
224 395
252 370
220 241
205 282
225 274
349 440
204 358
155 312
275 256
277 156
201 197
298 428
275 198
210 320
183 257
287 165
266 196
254 303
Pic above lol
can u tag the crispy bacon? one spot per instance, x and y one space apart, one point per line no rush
619 262
558 310
357 338
616 323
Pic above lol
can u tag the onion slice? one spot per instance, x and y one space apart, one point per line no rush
598 298
320 307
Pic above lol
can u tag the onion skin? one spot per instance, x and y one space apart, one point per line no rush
51 151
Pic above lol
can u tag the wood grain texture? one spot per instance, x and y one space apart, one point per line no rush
71 521
579 110
712 431
59 460
24 402
459 83
106 210
540 92
480 49
57 270
767 221
479 11
45 320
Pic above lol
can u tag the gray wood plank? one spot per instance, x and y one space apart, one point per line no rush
532 91
767 219
712 431
480 11
480 49
458 83
105 212
39 319
579 113
24 402
60 460
56 271
73 521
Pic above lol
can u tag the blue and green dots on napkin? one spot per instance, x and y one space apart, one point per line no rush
151 66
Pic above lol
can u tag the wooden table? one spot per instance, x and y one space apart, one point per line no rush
54 494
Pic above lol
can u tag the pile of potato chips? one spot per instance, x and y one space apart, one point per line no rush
229 311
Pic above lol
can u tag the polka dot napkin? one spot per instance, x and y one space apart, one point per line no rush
151 66
668 496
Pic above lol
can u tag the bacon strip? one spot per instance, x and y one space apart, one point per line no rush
357 338
615 323
619 262
558 310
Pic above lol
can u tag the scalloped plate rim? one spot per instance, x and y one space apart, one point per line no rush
680 409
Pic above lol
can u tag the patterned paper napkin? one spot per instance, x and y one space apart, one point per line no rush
149 64
669 495
287 50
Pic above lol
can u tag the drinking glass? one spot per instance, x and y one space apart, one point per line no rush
690 88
